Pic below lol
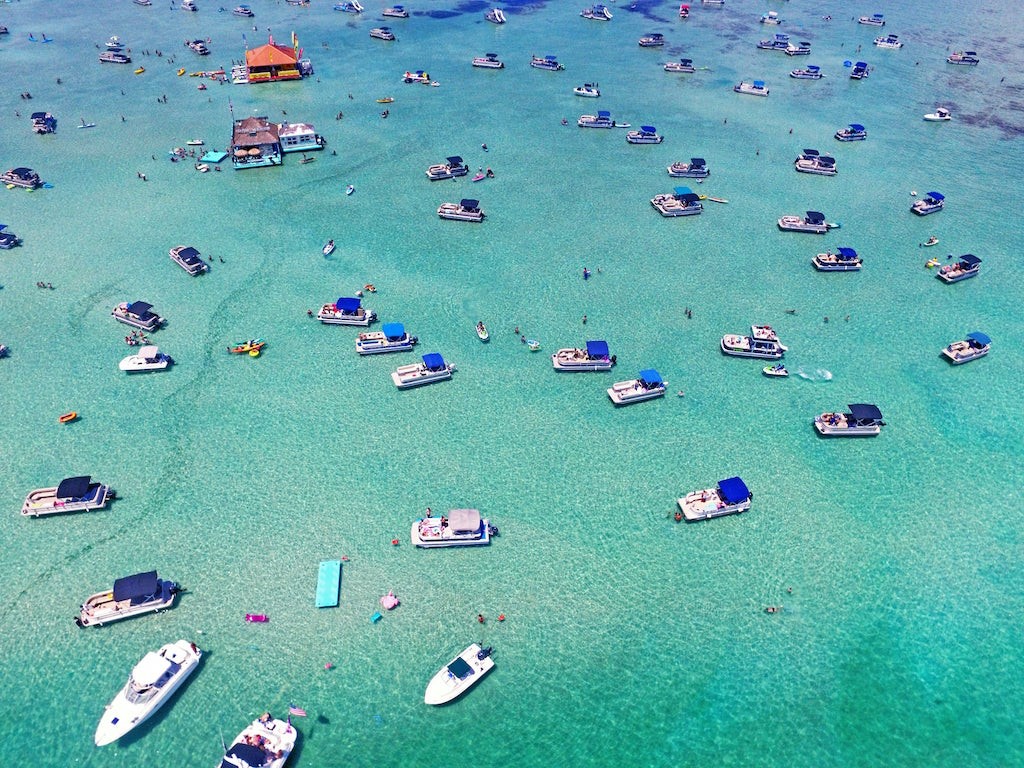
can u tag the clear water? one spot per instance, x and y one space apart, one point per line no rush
629 639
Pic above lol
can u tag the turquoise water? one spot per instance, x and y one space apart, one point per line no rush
630 640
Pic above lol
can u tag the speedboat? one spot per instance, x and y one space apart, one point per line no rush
719 3
392 337
138 314
150 685
489 61
810 72
452 167
772 17
148 358
813 162
603 119
682 202
25 178
459 528
495 16
813 222
646 386
977 344
646 135
189 259
762 342
930 203
198 46
777 43
459 675
695 169
143 2
859 71
588 90
653 40
433 368
888 41
855 132
130 596
328 248
798 49
874 20
114 43
777 371
188 5
265 742
243 10
382 33
597 13
684 11
594 358
346 311
940 115
115 57
73 494
964 58
396 12
251 347
966 266
862 420
756 88
8 239
843 260
465 210
43 122
546 62
349 7
731 496
683 65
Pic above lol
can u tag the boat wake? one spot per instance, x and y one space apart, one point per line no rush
818 374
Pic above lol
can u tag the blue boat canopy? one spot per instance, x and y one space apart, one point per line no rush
348 304
936 196
454 160
979 337
970 260
393 331
759 83
73 487
733 490
460 669
249 754
683 191
696 162
684 62
811 153
812 68
603 113
865 412
856 127
877 16
189 255
141 585
650 377
847 253
471 205
433 361
648 129
597 349
815 217
140 308
549 57
861 65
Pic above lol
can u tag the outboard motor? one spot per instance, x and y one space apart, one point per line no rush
483 653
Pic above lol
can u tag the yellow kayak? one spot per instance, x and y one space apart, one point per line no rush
140 70
181 72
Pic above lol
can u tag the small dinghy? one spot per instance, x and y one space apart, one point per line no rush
328 249
775 371
257 618
481 331
349 189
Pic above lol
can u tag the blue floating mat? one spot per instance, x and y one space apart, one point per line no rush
328 584
213 156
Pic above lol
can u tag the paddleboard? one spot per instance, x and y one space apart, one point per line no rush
717 199
86 125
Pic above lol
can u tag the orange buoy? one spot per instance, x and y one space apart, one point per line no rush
67 417
394 542
501 617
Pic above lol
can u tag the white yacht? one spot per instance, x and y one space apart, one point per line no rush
587 90
695 169
777 43
489 61
683 65
189 259
863 420
682 202
392 337
843 260
396 12
762 342
597 13
347 310
138 314
452 167
459 528
647 134
772 17
731 496
152 682
594 358
932 202
265 742
495 16
603 119
964 58
860 70
813 222
243 10
810 72
798 49
546 62
977 344
888 41
874 20
419 76
653 40
433 368
73 494
940 115
188 5
646 386
855 132
811 161
115 57
382 33
115 43
459 675
756 88
130 596
148 358
466 210
967 266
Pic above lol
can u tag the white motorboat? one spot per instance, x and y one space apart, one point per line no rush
603 119
243 10
459 528
382 33
597 13
587 90
863 420
964 58
977 344
328 248
73 494
756 88
452 167
594 358
874 20
115 43
810 72
682 202
198 46
495 16
683 65
813 222
812 161
189 259
130 596
115 57
148 358
653 40
731 496
265 742
482 332
647 386
646 135
459 675
888 41
489 61
392 337
188 5
684 11
940 115
777 371
546 62
772 17
354 6
855 132
396 12
151 684
466 210
695 169
843 260
138 314
798 49
860 70
777 43
932 202
762 342
347 310
967 266
433 368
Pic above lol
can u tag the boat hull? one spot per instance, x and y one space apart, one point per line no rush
409 376
443 687
44 501
576 361
707 504
445 538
